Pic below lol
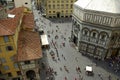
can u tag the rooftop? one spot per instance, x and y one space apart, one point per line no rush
29 48
8 26
110 6
28 21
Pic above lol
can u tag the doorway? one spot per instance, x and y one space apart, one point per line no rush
58 14
30 74
75 40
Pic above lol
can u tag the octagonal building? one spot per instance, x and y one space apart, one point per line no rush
96 27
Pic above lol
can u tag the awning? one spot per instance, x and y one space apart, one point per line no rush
40 29
89 68
44 39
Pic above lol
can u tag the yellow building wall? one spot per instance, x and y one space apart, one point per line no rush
63 7
13 39
25 3
7 56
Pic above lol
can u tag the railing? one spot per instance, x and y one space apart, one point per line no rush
101 42
86 38
92 39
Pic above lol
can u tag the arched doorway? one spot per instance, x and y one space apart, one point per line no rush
30 74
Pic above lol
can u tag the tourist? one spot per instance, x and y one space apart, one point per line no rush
65 78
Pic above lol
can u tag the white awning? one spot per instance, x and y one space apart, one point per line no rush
40 29
11 15
88 68
44 39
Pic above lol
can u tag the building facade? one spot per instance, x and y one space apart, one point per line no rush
3 13
96 28
25 3
29 53
38 4
12 65
9 30
10 4
57 8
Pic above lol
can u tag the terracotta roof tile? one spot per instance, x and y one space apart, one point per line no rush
29 46
28 21
9 25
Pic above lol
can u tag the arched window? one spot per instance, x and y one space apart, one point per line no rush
113 37
86 32
94 35
103 37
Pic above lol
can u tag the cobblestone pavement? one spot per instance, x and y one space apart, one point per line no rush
66 55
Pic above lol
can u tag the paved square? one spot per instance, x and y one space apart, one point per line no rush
67 58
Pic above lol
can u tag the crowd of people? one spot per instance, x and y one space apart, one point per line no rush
56 56
51 73
114 63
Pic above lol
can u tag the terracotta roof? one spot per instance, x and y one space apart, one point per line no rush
29 46
28 21
9 25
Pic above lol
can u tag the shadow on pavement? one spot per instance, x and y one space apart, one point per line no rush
60 20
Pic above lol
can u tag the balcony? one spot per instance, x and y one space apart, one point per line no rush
85 38
92 39
101 42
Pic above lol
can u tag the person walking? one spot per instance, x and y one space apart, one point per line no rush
60 69
62 55
65 78
63 44
75 78
78 68
64 58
